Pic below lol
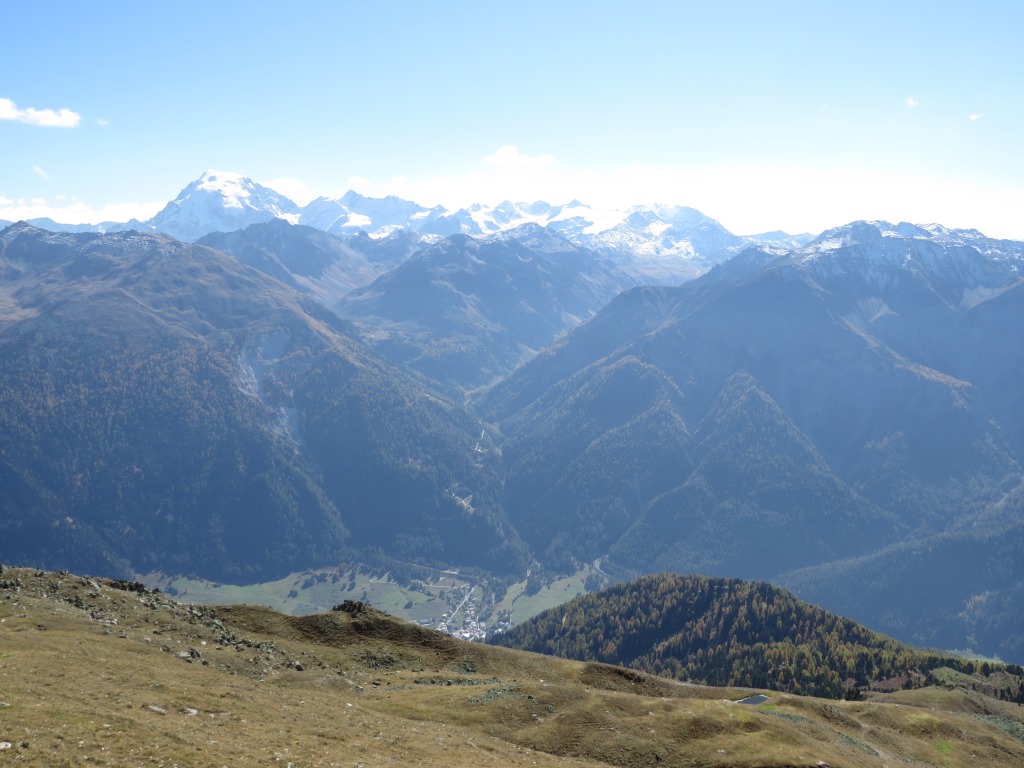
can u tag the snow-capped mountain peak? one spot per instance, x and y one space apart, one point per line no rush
866 232
953 262
220 201
657 243
536 238
353 212
233 188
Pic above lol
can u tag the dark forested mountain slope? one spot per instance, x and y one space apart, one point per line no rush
610 442
963 588
165 407
465 311
722 632
759 497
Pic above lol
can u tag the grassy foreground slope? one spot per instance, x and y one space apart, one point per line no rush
94 672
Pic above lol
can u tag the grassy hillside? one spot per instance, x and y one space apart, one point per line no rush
95 672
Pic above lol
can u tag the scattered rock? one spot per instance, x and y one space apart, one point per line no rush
156 710
351 606
129 586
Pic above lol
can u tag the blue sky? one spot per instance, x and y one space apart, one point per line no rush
794 115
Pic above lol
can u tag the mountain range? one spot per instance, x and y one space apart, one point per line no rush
783 411
661 244
505 391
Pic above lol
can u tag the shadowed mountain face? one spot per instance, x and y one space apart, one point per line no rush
813 406
312 261
165 407
958 589
466 311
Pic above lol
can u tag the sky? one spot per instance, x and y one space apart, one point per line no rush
797 116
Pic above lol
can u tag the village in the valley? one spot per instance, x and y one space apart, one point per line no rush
462 619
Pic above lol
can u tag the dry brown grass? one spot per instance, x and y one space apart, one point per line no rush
81 690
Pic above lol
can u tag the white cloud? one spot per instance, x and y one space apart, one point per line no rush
63 118
506 174
509 157
75 212
295 190
127 211
975 117
40 172
912 102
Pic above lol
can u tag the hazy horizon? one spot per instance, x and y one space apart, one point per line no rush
800 118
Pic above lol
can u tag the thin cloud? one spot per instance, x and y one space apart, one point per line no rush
975 117
101 122
358 182
62 118
40 172
912 102
295 190
509 157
